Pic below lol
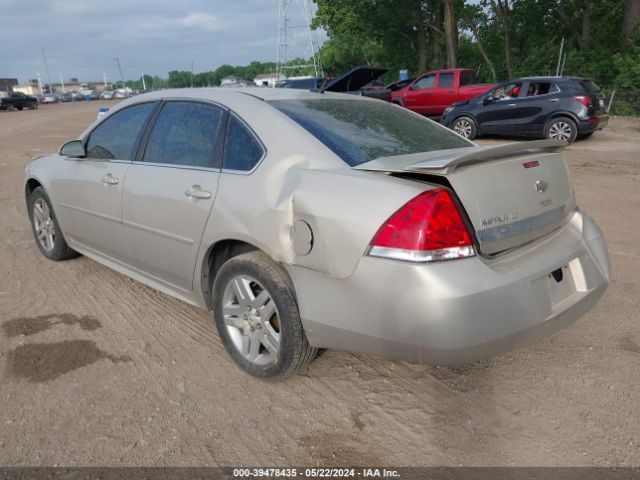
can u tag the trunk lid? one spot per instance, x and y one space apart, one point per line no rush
512 193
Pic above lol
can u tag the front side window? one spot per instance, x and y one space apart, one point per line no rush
116 137
186 134
358 131
507 91
242 151
425 82
445 80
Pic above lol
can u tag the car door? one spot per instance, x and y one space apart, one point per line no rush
170 189
444 93
497 109
535 102
418 96
88 190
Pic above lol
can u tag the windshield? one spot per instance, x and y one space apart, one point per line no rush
360 131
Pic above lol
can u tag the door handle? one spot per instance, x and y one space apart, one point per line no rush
450 91
196 193
554 100
511 105
109 179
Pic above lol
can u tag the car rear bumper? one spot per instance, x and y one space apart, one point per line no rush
457 311
594 123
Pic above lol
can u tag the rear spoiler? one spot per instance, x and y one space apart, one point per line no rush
443 162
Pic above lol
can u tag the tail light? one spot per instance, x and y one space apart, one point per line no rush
427 228
583 99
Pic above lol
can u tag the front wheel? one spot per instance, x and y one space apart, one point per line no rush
256 312
46 229
561 128
465 127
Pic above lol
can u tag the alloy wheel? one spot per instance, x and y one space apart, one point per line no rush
560 131
252 320
463 127
44 224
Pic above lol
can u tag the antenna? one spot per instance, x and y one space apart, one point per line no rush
298 41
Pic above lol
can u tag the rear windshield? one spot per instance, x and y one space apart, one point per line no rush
360 131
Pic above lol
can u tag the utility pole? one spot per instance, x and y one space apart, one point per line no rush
62 83
104 79
191 73
120 70
40 84
307 49
144 86
46 68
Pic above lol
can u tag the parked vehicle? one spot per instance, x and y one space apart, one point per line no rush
49 98
431 93
106 95
18 101
66 97
351 82
385 92
563 108
307 220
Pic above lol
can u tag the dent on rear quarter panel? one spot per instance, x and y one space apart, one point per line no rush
301 179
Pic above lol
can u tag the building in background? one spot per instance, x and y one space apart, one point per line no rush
7 84
268 79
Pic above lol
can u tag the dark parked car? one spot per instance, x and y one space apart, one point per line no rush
384 93
563 108
350 82
18 101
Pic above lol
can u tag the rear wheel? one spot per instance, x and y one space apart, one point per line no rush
46 229
466 127
257 316
561 128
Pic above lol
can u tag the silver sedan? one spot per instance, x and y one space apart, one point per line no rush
306 220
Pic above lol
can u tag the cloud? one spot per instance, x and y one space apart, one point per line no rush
83 37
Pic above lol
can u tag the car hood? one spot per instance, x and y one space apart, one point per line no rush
354 79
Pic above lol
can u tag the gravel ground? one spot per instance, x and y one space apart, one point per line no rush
96 369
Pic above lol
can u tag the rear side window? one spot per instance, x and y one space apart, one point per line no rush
541 88
358 131
467 78
116 137
445 80
242 151
186 134
589 86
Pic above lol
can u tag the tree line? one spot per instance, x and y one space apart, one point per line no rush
500 39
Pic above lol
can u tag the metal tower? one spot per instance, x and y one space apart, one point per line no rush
297 41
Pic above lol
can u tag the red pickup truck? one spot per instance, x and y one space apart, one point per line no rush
432 92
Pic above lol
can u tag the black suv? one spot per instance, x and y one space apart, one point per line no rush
549 107
18 101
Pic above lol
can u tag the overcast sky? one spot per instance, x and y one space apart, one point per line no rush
82 38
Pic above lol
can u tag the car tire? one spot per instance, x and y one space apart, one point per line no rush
561 128
465 127
46 229
256 313
20 108
11 107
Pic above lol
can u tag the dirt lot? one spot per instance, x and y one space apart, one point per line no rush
96 369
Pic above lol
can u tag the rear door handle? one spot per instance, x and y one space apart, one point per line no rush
554 100
109 179
196 193
511 105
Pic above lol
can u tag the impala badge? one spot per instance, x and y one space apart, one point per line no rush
541 186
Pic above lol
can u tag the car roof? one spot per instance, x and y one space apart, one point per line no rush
551 78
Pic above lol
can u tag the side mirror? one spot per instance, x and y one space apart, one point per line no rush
73 149
487 101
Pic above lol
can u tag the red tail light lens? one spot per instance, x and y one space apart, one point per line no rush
427 228
586 101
